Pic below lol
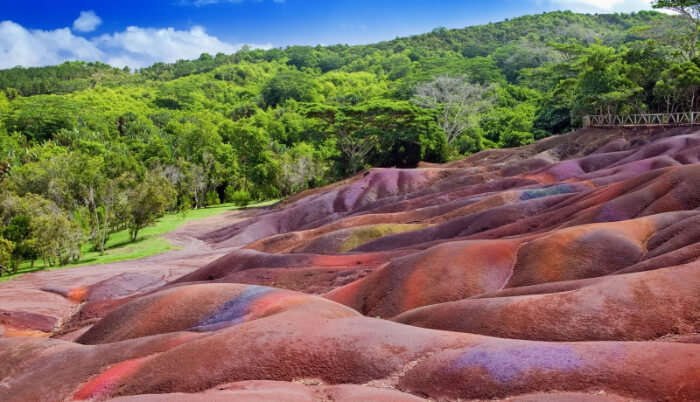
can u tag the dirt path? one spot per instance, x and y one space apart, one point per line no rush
24 293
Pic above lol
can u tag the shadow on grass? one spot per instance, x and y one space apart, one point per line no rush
125 243
24 271
124 246
28 270
121 246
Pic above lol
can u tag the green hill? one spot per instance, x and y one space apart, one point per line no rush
523 34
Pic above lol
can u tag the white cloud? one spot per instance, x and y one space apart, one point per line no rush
602 6
19 46
135 47
87 22
148 45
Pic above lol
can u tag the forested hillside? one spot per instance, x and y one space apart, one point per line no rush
87 149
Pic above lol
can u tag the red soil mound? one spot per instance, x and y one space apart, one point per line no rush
298 345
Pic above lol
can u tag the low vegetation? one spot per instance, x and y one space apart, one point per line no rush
120 246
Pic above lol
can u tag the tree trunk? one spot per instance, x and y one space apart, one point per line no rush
692 102
134 234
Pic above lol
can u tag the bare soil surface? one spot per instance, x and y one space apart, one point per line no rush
25 293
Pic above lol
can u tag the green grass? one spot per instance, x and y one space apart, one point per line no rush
150 241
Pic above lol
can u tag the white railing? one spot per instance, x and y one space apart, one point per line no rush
641 120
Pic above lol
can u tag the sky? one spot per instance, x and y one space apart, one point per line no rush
138 33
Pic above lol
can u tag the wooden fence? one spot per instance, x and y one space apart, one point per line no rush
643 120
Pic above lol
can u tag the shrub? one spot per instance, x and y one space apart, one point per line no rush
213 198
241 198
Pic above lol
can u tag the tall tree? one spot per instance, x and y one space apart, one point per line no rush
6 248
393 131
19 232
690 10
148 198
679 86
457 100
603 85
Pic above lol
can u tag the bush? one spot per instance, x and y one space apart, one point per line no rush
241 198
471 141
513 139
229 193
185 206
213 198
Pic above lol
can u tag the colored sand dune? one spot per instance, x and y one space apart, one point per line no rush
567 270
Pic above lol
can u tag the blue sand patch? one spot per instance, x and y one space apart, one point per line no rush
549 191
233 311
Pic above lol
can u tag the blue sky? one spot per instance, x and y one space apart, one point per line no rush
138 33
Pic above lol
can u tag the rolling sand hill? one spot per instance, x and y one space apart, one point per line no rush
567 270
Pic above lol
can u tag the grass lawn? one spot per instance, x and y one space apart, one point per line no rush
150 241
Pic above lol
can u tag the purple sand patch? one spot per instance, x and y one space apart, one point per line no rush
507 364
233 311
610 212
565 170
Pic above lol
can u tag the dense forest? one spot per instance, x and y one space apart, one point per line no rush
87 149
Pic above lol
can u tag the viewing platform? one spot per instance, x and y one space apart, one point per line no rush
642 120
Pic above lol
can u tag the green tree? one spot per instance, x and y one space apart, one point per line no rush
302 56
513 58
148 198
679 86
40 117
509 127
690 10
19 232
58 238
602 85
252 148
288 85
344 88
457 102
6 249
330 61
4 103
398 133
54 235
302 167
